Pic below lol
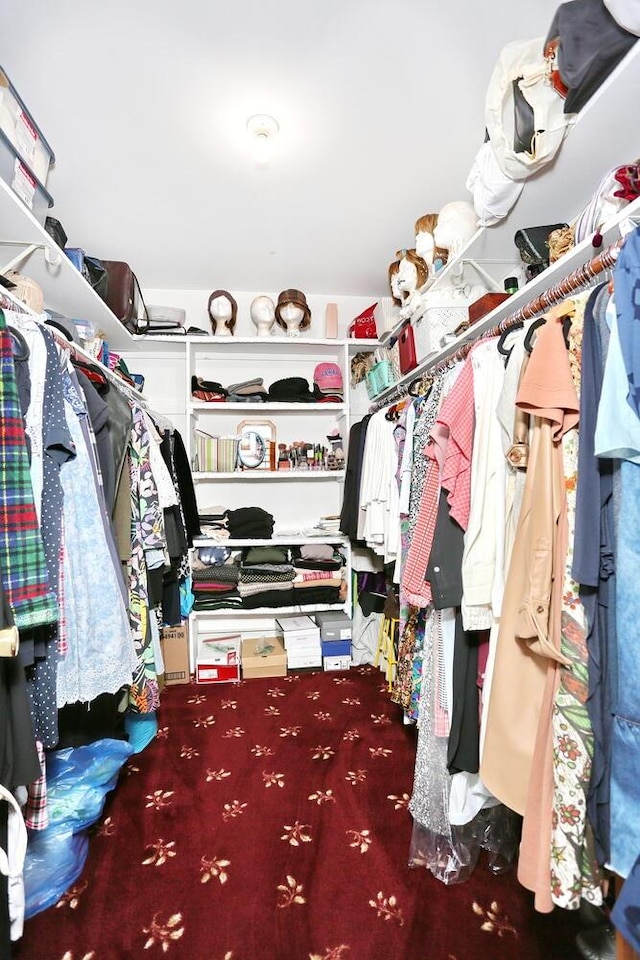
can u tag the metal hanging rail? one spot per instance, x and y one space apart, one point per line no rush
576 280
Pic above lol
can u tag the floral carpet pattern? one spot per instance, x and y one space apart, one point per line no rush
268 820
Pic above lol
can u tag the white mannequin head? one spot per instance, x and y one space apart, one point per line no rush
263 315
292 316
222 313
456 225
425 246
407 277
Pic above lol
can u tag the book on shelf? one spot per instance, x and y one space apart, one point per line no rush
215 454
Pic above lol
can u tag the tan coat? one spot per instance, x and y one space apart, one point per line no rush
528 641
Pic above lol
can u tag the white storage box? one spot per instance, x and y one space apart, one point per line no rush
298 631
336 663
218 659
22 131
304 661
15 172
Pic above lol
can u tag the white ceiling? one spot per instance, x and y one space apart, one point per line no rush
380 105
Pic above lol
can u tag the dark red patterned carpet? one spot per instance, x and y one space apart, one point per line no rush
268 821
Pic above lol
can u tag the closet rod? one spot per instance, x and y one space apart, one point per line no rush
10 302
576 280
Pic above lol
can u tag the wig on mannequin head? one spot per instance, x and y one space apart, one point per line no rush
422 269
427 224
230 324
392 272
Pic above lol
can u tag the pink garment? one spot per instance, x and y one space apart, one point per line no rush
450 449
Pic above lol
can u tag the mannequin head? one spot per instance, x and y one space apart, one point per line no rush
263 315
396 293
223 311
425 244
412 272
292 312
456 225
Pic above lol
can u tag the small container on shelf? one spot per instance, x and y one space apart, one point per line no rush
22 132
22 180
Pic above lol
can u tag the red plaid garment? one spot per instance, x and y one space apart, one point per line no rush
24 570
36 811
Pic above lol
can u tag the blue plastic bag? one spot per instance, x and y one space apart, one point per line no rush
78 780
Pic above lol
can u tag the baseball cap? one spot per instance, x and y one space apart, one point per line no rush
327 377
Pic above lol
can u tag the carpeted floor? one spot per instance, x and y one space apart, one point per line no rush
268 821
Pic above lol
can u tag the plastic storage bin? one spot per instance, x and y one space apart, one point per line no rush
23 181
22 131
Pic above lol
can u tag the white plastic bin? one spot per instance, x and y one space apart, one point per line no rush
23 132
23 181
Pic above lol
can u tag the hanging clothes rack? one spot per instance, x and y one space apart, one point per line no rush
10 302
576 280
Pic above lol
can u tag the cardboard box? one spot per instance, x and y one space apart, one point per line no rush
174 642
334 625
336 663
263 657
336 648
218 659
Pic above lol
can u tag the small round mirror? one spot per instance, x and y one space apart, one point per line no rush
251 449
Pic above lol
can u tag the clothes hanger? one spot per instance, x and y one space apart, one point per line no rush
506 352
564 311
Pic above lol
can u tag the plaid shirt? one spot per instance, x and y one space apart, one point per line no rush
24 571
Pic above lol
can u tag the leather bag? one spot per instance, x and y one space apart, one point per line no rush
124 296
583 45
407 349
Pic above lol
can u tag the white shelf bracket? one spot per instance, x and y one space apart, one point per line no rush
52 256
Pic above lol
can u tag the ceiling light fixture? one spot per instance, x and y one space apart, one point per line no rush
262 129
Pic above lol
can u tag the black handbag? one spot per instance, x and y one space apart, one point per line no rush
533 247
94 272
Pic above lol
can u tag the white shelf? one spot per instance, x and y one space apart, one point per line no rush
268 611
305 476
312 408
294 541
228 342
356 345
573 259
64 287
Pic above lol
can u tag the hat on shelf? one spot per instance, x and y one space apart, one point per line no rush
327 377
297 297
246 387
291 390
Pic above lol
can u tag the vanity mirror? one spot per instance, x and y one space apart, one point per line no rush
257 444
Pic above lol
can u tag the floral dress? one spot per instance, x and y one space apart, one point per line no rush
147 534
574 870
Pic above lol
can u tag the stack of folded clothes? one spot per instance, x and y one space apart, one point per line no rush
291 390
247 391
319 574
266 578
209 390
216 586
245 523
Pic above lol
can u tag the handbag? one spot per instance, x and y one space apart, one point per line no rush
535 122
92 269
363 327
583 45
407 349
533 246
124 296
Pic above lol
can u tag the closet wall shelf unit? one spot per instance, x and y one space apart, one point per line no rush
572 260
302 476
296 499
556 194
64 287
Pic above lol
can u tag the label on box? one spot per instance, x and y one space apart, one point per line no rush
213 673
336 663
26 136
23 184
